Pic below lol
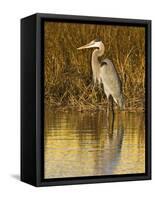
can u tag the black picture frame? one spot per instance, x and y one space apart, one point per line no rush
32 96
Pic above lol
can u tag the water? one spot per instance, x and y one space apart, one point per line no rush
89 144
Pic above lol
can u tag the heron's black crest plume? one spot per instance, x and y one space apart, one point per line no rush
97 40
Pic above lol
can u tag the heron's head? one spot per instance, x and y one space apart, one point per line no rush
97 43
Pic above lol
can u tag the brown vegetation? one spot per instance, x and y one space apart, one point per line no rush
68 74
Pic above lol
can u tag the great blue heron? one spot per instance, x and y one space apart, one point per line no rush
104 72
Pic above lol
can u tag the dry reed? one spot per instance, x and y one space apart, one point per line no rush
68 74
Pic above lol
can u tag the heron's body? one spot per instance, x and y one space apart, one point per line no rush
111 82
105 73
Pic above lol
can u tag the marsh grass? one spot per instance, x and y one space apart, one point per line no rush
68 73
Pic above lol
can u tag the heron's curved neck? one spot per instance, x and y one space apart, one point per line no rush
99 52
95 62
96 54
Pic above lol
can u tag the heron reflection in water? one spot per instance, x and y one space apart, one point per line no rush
108 134
104 72
115 133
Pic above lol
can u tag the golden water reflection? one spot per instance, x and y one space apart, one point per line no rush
89 144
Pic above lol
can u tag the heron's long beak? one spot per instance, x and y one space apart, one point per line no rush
89 45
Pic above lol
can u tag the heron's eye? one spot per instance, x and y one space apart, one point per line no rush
103 63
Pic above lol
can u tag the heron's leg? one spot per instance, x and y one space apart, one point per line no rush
110 106
110 124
